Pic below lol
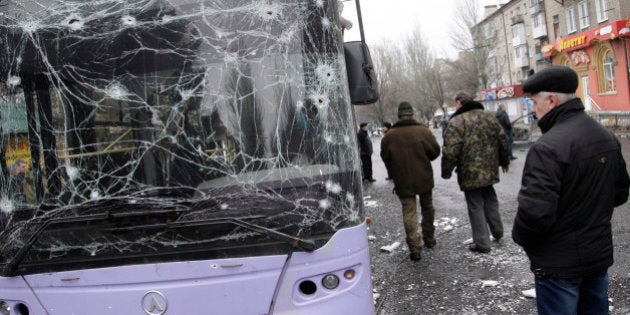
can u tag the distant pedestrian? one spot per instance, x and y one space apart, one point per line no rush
365 150
386 127
475 146
504 120
16 186
407 150
573 177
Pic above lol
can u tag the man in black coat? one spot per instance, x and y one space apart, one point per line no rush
573 178
504 120
365 151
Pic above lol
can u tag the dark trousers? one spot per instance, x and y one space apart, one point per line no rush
410 220
483 212
510 141
366 165
581 295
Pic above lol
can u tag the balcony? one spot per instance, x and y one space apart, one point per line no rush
517 19
518 35
539 31
521 61
539 7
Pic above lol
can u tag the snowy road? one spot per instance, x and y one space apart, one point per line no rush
450 279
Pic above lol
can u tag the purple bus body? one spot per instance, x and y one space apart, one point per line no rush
222 286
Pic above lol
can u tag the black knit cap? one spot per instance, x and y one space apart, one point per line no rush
405 109
557 79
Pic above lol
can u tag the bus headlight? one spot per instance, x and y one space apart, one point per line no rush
349 274
330 281
5 309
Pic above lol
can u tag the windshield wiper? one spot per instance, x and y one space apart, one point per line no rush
306 245
11 268
295 241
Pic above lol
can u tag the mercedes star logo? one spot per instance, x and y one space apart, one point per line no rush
154 303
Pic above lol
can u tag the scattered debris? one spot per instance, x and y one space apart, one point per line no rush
489 283
371 237
390 248
446 224
370 203
468 241
531 293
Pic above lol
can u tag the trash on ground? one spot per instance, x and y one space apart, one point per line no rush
531 293
390 248
489 283
371 237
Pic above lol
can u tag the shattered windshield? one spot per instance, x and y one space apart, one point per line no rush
171 128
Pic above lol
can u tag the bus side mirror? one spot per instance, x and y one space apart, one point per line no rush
361 76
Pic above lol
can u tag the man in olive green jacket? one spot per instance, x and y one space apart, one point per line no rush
475 146
407 150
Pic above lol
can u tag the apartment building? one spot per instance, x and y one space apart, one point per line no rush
590 36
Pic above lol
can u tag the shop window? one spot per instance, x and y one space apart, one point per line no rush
609 73
605 68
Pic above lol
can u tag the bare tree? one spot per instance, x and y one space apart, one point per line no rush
388 65
427 85
474 43
406 72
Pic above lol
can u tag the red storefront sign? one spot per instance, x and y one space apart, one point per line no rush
608 31
502 92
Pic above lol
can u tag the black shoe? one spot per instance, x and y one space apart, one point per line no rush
513 158
388 178
430 244
415 256
497 239
477 249
371 180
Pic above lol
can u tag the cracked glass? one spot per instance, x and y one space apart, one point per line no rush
153 130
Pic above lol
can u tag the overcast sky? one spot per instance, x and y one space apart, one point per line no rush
392 20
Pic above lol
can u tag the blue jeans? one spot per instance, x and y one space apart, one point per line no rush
584 295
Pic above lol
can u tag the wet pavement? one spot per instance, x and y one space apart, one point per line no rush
452 280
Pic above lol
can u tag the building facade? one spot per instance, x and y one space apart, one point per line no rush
590 36
594 40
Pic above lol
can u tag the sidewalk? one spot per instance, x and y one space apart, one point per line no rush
450 279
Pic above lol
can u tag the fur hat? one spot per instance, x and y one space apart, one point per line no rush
557 79
405 109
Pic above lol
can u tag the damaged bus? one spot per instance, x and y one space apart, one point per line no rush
182 157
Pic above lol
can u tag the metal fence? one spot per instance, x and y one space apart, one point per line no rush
616 121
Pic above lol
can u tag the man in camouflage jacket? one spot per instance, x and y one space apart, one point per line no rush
475 146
